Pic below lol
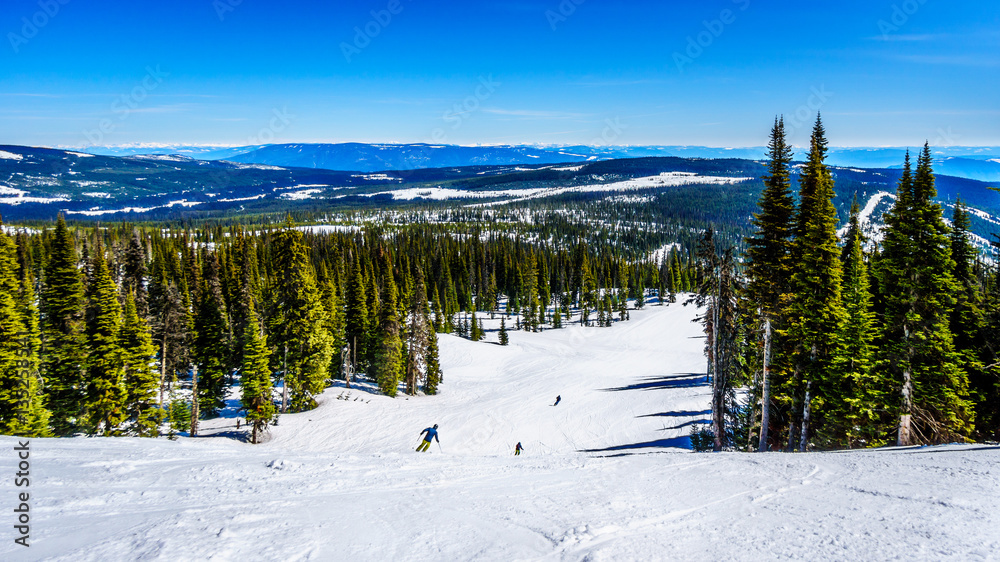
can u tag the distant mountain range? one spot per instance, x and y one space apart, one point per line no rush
38 183
980 163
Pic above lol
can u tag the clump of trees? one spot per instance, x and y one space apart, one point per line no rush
118 330
844 342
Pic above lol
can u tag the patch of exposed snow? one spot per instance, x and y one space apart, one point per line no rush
376 177
251 198
10 155
300 195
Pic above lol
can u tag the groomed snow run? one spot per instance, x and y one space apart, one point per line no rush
343 482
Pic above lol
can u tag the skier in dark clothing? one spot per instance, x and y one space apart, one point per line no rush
432 433
518 449
558 398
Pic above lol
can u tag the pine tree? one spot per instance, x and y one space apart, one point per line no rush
476 333
768 260
388 356
504 339
21 410
418 336
63 335
434 375
255 379
854 420
918 288
969 326
816 312
139 378
106 394
588 291
212 342
356 318
303 335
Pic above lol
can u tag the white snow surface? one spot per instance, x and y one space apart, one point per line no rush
342 482
666 179
10 155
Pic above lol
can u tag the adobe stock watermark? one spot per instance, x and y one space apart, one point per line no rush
901 14
804 114
223 7
22 478
562 12
946 137
696 44
364 35
30 27
125 104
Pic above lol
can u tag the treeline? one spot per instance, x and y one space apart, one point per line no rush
119 330
843 347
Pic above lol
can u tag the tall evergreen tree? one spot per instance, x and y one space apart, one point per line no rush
768 260
213 341
816 310
418 335
106 394
255 379
918 288
22 411
434 375
303 336
139 378
388 356
63 334
854 419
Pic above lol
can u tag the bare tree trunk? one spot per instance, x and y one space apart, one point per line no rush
805 417
718 408
765 397
163 371
905 435
284 378
194 401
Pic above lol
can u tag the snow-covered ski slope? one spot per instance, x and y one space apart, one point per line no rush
343 482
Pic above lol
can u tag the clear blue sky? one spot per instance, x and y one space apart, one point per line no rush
891 72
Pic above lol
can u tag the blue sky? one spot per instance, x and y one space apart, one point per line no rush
715 73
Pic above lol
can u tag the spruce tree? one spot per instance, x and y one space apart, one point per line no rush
816 313
476 332
854 420
255 379
768 260
918 288
418 336
106 396
63 334
969 326
504 338
356 318
434 375
22 412
304 331
213 342
140 380
388 356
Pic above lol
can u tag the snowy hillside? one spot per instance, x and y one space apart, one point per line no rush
605 474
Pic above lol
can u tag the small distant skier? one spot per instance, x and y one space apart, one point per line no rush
432 433
558 398
518 449
237 424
